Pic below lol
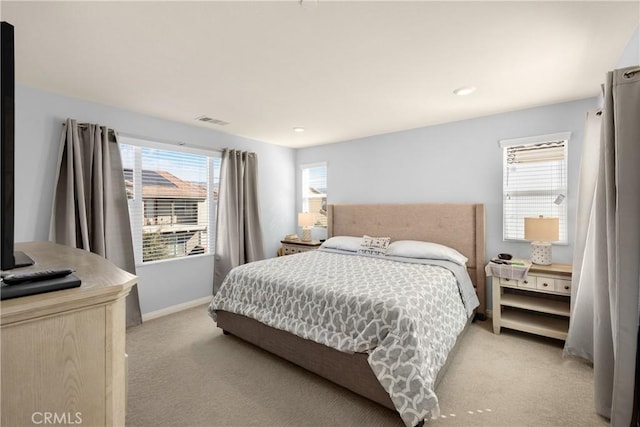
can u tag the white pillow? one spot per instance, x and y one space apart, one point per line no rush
374 245
426 250
344 243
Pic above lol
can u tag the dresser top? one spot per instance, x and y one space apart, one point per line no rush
101 281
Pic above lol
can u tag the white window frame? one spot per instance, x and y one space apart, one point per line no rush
561 210
136 203
304 185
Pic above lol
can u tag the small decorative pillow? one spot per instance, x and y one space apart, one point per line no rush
374 245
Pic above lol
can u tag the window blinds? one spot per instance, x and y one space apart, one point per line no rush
314 192
172 196
534 184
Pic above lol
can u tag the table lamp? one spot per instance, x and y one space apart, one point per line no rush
541 231
306 220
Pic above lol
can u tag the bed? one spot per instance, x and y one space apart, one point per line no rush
360 361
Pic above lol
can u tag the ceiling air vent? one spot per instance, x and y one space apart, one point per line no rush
212 121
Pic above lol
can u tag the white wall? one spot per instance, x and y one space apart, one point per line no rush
454 162
631 54
39 118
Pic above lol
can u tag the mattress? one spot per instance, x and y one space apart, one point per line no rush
404 313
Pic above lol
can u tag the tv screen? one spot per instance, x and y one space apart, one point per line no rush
9 258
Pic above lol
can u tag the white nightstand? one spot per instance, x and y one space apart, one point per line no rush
295 247
538 304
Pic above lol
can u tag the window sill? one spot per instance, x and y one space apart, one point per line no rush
162 261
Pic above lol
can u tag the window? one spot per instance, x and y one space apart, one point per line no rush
534 182
172 196
314 192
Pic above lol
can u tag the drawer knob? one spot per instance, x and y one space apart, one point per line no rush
526 281
566 287
545 284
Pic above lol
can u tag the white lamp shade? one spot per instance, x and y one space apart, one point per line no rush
541 229
306 219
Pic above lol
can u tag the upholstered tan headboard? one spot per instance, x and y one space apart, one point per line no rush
460 226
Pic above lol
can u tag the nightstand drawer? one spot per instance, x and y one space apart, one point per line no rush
545 283
563 286
528 283
510 282
290 248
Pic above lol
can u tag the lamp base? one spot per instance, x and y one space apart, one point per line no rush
541 253
306 234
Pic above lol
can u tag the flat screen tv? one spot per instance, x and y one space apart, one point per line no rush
9 258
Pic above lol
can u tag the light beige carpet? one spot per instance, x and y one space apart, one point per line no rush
184 372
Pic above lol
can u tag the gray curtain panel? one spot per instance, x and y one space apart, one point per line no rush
581 333
610 300
90 203
238 230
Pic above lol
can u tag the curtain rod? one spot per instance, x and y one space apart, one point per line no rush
84 125
156 140
130 135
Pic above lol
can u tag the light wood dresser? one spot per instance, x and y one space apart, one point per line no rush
63 352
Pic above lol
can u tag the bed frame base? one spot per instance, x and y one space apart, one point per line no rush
349 370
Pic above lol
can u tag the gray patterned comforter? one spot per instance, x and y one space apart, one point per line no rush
405 315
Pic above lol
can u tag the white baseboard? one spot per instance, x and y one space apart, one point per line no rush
175 308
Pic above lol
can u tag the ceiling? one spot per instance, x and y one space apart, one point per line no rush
342 70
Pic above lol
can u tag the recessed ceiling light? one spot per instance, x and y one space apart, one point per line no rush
298 129
464 90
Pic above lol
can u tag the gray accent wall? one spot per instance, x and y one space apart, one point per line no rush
39 118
